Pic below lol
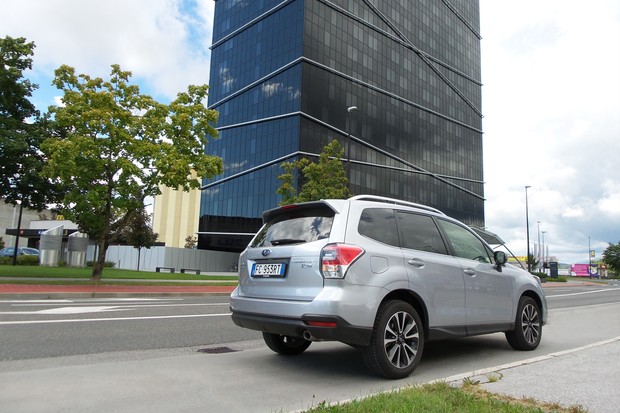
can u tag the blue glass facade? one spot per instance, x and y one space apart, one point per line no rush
284 72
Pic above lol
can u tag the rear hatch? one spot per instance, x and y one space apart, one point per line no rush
283 259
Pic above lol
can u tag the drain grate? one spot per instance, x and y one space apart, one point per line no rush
217 350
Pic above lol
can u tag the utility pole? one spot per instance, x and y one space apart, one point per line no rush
527 226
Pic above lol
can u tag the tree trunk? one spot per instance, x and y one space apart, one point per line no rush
100 262
104 239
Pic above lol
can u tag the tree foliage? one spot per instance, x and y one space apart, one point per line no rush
324 179
22 131
15 90
191 241
611 257
533 262
137 232
118 146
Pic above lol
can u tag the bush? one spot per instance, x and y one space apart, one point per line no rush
21 260
107 264
28 260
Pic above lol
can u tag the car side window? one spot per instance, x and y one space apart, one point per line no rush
380 225
464 243
419 232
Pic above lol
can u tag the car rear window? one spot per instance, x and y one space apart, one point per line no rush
295 225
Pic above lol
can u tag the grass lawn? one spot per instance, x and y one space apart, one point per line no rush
109 274
442 398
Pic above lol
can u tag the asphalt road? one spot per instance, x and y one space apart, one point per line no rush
52 328
147 355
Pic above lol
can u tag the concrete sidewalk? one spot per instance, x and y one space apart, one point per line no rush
586 377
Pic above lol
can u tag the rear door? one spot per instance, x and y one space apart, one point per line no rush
433 274
488 292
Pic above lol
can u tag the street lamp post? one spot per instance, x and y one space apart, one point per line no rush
349 110
544 255
539 254
19 224
527 226
589 258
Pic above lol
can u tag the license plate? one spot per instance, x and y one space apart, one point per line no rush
268 270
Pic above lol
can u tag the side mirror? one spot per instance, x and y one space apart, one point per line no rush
500 260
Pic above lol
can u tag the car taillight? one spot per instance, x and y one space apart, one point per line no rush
336 259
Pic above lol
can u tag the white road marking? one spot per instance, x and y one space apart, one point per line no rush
133 305
87 320
82 309
70 310
95 300
35 301
583 292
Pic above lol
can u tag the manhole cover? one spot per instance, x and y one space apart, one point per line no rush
217 350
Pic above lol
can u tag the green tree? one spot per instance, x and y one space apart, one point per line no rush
22 131
324 179
191 241
532 261
137 232
119 146
611 257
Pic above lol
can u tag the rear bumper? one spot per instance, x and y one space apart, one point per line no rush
343 331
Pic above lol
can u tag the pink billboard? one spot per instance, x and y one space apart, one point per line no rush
581 270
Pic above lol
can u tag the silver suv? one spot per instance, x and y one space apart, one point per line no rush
382 275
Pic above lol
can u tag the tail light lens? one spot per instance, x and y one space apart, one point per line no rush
336 259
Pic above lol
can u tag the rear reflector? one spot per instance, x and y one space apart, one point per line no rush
321 323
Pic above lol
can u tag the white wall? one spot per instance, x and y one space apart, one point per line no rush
126 257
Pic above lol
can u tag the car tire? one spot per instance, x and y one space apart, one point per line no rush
397 341
528 326
286 345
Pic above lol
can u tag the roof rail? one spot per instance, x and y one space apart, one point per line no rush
376 198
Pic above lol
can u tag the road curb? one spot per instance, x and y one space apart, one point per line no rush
457 379
494 369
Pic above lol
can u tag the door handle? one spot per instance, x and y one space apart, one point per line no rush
471 272
416 263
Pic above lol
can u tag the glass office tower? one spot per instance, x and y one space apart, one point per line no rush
285 75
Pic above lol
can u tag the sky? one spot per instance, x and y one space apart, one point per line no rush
550 97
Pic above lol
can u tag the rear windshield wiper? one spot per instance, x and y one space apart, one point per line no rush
286 241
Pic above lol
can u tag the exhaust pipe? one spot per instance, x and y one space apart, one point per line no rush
308 335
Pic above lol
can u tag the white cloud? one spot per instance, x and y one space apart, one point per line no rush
551 100
152 38
573 212
609 204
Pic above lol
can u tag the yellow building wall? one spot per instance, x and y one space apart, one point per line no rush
175 216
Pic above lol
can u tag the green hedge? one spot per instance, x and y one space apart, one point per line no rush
107 264
543 276
21 260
